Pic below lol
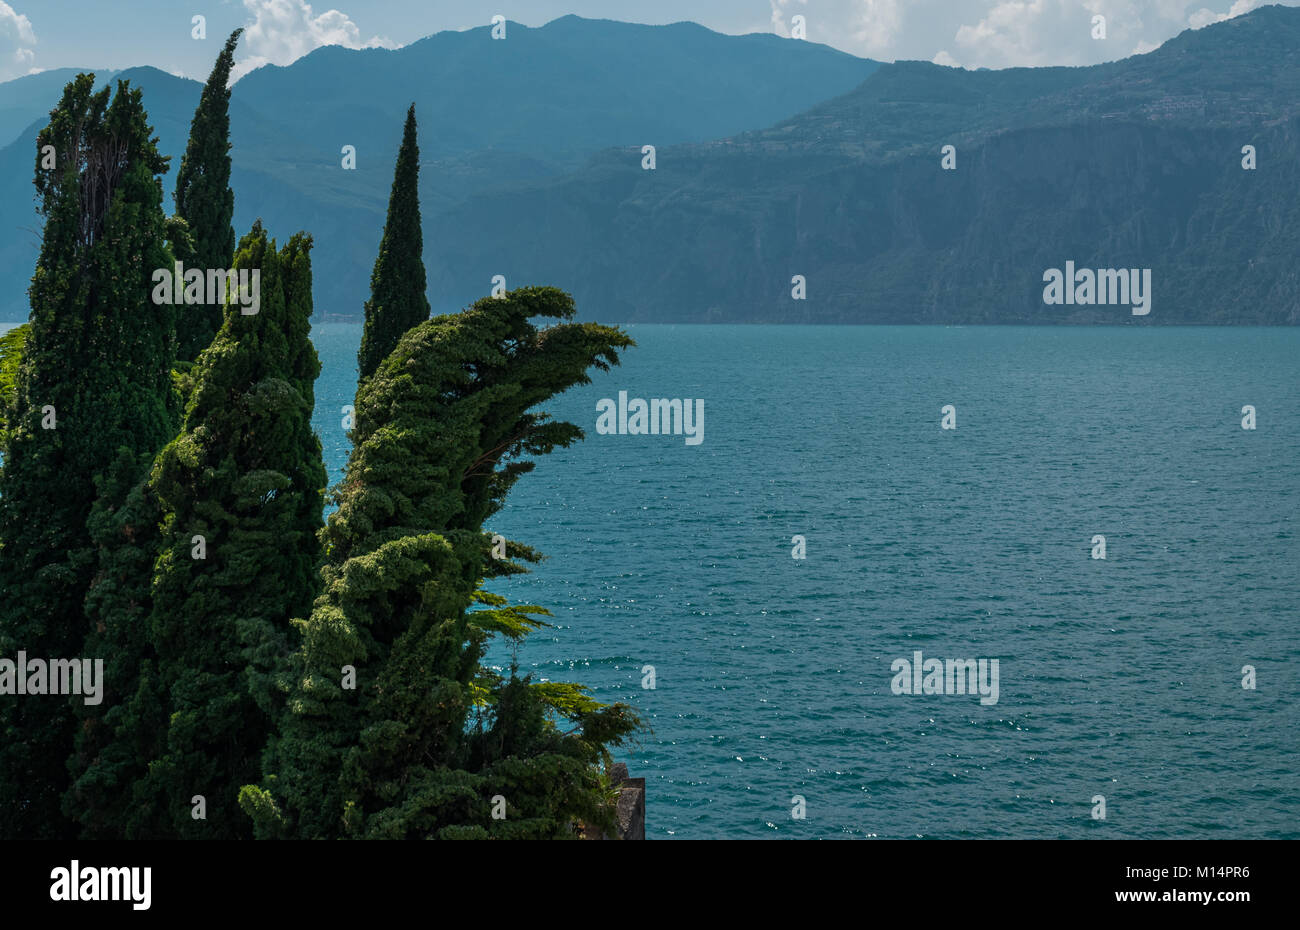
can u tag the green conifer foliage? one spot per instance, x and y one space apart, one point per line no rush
246 475
444 427
93 389
397 283
204 198
113 738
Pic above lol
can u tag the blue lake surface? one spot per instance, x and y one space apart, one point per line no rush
1119 677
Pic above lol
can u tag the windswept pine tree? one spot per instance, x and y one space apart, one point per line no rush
397 301
94 401
204 198
240 492
378 738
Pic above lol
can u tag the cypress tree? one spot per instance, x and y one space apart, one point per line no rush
246 475
443 430
397 283
114 739
204 198
93 398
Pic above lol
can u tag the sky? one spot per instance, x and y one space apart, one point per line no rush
43 34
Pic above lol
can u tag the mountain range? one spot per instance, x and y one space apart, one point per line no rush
774 158
491 112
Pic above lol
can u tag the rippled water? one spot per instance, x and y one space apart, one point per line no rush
1119 677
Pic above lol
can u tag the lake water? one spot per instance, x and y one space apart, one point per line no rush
1119 677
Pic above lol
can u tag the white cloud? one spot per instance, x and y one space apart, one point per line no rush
781 14
865 27
16 40
1001 33
284 30
943 58
1171 9
1017 33
1011 33
1204 17
878 24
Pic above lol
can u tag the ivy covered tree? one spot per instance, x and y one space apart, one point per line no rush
204 199
393 728
397 283
93 401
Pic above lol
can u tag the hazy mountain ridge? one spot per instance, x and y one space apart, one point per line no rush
493 113
532 169
1134 163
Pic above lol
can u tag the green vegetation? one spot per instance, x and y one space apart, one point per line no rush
243 483
394 728
179 549
205 201
11 353
428 736
397 300
93 404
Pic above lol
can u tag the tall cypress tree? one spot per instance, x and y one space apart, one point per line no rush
443 430
397 301
94 398
246 476
204 198
112 742
114 738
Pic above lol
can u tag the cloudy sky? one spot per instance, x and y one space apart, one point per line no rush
42 34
